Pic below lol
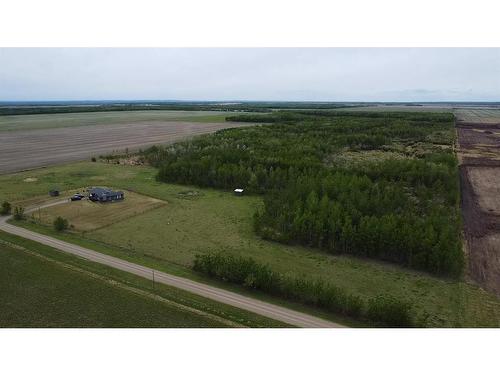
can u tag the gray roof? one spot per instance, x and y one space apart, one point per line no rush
103 191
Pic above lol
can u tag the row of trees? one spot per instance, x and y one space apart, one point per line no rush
403 210
284 116
161 105
383 310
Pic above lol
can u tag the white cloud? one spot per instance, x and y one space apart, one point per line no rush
327 74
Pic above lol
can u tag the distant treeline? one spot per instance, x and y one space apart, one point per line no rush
8 111
382 310
403 210
240 107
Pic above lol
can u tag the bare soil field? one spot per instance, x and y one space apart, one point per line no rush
21 150
479 144
484 116
68 120
479 155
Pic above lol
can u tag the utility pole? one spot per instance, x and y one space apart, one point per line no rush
153 280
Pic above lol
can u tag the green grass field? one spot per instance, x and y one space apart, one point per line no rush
41 287
64 120
168 238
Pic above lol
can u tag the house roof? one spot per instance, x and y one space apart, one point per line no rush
103 191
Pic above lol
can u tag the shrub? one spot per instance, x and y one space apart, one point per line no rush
6 208
93 159
60 224
389 311
18 213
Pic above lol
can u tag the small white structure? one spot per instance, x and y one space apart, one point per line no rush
238 191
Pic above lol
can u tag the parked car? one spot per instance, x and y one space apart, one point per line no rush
77 197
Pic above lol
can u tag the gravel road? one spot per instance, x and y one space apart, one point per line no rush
217 294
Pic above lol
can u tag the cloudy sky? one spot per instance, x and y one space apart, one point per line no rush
328 74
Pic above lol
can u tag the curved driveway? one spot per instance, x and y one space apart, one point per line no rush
217 294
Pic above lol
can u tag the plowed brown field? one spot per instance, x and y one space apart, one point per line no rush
28 149
479 154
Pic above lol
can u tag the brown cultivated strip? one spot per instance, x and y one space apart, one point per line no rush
479 151
38 148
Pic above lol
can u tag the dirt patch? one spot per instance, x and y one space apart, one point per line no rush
484 264
486 136
189 194
486 184
30 179
479 146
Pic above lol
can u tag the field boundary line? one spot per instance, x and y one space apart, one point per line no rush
122 285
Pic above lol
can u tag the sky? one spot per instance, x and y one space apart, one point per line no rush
277 74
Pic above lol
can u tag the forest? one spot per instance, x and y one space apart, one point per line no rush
377 185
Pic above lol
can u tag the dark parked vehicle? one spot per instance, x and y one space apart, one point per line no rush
77 197
54 193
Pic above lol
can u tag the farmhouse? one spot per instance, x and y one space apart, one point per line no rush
98 194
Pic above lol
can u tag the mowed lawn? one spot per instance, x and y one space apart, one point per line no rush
65 120
86 215
35 292
199 220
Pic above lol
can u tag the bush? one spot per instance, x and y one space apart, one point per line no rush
6 208
389 311
315 292
18 213
60 224
93 159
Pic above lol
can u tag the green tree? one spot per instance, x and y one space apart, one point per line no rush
6 208
18 213
60 224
